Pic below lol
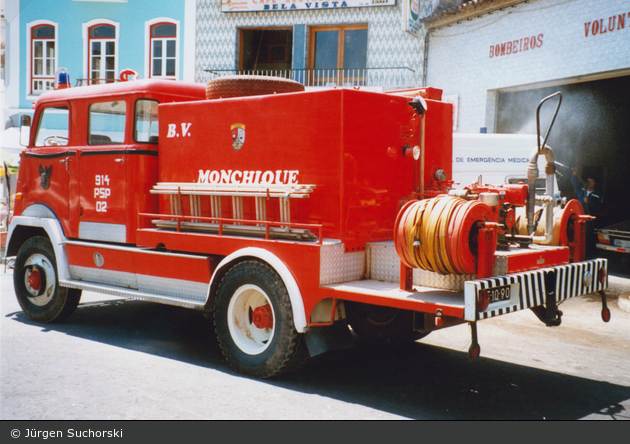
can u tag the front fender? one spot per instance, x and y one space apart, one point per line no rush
36 222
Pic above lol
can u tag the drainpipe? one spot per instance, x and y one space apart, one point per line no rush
426 57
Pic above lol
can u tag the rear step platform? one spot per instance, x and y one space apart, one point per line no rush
425 299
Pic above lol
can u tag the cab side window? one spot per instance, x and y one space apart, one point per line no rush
107 123
52 129
145 123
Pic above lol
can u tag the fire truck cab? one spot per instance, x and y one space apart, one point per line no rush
94 153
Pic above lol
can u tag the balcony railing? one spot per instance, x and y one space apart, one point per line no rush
86 82
387 78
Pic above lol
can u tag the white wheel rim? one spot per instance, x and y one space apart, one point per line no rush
49 274
245 334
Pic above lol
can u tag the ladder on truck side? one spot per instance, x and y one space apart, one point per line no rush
237 225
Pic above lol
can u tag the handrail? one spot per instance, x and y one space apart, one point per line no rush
221 222
244 190
371 77
218 71
87 82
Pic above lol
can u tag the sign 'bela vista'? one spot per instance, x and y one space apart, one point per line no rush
298 5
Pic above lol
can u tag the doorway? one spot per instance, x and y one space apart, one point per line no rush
338 55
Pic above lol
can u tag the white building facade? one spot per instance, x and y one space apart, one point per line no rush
498 59
380 48
533 44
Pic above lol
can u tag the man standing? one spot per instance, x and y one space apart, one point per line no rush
588 194
591 199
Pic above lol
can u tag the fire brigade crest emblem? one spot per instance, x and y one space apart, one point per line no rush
44 175
238 135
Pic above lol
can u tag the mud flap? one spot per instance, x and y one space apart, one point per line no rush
323 339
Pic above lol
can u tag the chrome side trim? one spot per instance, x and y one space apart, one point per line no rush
175 288
133 294
103 276
103 232
167 287
129 249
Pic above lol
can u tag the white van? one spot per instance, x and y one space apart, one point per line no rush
497 158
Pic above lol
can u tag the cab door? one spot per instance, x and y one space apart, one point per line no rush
46 166
103 174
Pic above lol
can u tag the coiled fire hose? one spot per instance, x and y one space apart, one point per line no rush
440 234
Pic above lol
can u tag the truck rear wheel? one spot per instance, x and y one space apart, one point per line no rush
241 86
36 283
254 322
381 325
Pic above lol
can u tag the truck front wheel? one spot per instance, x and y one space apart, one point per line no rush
36 283
254 322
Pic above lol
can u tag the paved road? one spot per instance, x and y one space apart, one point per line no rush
120 359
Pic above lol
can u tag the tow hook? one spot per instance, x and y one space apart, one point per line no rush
605 309
549 313
475 350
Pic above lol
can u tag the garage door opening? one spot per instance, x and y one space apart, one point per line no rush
592 132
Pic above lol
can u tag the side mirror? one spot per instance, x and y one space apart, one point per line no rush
25 129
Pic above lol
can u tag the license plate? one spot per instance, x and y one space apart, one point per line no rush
621 243
499 294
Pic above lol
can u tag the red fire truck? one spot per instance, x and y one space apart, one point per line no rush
302 220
